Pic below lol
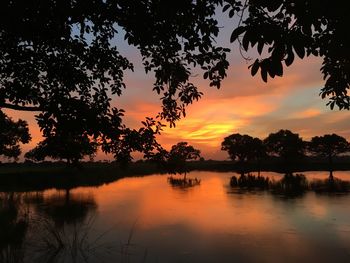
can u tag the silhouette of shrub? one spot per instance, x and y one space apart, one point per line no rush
330 185
250 181
183 182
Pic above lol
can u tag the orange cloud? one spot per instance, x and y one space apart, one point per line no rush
308 113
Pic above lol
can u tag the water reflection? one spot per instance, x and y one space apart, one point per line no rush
63 207
210 223
147 220
52 226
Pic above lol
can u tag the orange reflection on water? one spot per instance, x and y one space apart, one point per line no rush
214 223
207 207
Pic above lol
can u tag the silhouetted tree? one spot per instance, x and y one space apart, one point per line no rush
179 154
62 60
281 30
260 152
329 146
71 148
11 134
243 148
286 145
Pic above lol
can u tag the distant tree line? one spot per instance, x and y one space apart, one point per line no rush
285 145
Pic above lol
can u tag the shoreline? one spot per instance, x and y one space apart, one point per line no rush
24 177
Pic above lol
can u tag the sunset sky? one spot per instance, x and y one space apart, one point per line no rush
244 104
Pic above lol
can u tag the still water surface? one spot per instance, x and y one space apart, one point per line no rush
144 219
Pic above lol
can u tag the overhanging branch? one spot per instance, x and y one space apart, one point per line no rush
21 108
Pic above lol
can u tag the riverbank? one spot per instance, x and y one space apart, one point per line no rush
41 176
38 177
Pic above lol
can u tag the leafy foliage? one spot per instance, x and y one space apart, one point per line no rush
179 154
61 58
282 30
243 147
11 134
328 145
175 160
71 147
285 144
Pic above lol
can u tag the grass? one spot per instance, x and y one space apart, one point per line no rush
77 243
334 185
67 243
183 182
250 181
29 234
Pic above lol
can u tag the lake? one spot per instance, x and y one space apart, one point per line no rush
145 219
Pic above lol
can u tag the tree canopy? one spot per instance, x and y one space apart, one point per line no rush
11 134
242 148
285 144
280 30
61 59
179 154
329 146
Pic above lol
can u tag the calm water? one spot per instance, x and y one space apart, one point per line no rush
145 219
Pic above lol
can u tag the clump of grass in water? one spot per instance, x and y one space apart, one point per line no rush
183 182
290 184
250 182
68 244
73 244
128 250
330 185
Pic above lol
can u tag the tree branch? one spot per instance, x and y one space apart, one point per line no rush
21 108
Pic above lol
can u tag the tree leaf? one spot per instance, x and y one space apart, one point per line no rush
225 8
290 58
238 31
263 71
278 68
255 67
261 44
246 41
299 49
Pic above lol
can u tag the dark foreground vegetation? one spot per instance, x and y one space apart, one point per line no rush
41 176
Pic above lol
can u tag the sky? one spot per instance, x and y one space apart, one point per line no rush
244 104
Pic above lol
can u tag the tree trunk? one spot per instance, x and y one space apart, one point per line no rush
67 195
330 159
